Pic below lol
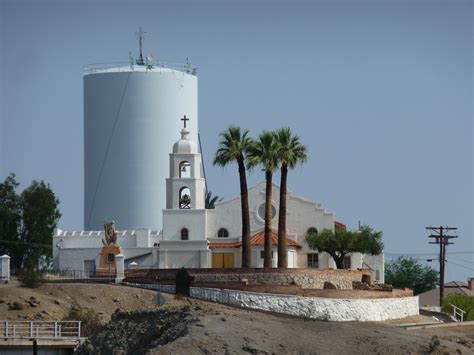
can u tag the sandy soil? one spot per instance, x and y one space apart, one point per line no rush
459 334
221 329
55 300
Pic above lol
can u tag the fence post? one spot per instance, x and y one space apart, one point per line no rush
55 330
79 329
6 329
31 329
5 268
119 268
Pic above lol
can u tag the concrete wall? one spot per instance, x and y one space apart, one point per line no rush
330 309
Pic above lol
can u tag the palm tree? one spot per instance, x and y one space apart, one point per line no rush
210 201
264 152
290 153
233 146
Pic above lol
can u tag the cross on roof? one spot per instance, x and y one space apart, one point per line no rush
184 119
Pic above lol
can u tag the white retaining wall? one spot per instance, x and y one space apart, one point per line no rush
331 309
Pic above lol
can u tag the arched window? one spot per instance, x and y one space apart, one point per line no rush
312 230
184 234
185 198
184 169
222 233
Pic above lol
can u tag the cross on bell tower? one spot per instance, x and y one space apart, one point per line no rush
184 119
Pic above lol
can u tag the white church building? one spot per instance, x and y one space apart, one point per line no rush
195 237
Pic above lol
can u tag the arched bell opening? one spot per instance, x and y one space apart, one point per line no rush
185 198
185 169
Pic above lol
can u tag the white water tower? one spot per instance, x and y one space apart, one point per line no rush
132 115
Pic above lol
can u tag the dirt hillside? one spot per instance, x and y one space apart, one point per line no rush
188 326
53 301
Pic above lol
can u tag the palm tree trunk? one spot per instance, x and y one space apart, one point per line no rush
282 252
267 262
244 200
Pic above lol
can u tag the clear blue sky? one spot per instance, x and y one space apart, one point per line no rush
380 91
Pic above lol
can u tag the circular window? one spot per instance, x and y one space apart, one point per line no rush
311 231
261 211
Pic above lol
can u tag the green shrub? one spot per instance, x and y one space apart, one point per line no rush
31 278
466 303
90 320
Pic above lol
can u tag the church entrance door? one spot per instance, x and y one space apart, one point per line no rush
222 260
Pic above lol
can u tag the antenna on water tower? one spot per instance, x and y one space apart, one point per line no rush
140 34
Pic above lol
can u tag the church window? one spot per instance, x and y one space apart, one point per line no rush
184 169
312 230
313 260
346 263
222 233
185 198
261 211
262 254
184 234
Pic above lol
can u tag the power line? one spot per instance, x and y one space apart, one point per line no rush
465 267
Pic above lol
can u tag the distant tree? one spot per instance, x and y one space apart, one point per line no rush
408 272
234 146
290 153
27 223
265 152
342 242
10 220
211 200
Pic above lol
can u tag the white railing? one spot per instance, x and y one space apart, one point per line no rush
458 312
128 66
40 329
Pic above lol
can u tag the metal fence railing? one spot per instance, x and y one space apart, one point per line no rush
40 329
81 276
458 313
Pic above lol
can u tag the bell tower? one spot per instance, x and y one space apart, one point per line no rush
184 242
185 187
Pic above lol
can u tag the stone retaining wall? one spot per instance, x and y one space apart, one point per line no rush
331 309
305 278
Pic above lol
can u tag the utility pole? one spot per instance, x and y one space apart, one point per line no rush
441 237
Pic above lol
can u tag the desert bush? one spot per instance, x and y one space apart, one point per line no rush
466 303
31 278
90 320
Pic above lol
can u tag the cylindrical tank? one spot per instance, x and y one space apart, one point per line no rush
132 118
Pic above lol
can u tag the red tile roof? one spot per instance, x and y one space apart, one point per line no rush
340 225
257 239
219 245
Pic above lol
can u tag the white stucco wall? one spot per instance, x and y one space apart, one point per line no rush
175 220
302 215
377 264
330 309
